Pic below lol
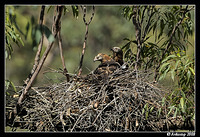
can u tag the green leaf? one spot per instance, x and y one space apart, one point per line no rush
38 36
146 39
27 29
154 26
172 74
48 34
165 72
176 65
127 39
146 106
13 86
168 58
143 111
8 83
20 40
75 11
192 70
163 66
182 93
171 108
178 54
151 109
175 113
158 112
182 104
152 44
162 26
161 77
188 76
49 9
7 93
163 101
147 114
37 33
65 10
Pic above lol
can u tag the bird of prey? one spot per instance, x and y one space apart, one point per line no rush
118 57
107 66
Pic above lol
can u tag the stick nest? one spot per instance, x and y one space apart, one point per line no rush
126 101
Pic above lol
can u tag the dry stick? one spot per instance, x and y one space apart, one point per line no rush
65 72
137 35
103 110
37 57
86 35
55 29
170 41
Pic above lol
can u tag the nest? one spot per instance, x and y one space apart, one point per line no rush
126 101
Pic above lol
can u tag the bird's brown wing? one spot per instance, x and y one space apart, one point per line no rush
107 67
112 66
101 68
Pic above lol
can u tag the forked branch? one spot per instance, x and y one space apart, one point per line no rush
86 35
55 29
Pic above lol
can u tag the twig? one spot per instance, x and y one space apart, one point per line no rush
137 34
40 95
103 110
61 55
37 57
86 35
80 117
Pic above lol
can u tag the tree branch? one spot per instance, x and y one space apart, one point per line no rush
55 29
65 72
37 57
86 35
137 34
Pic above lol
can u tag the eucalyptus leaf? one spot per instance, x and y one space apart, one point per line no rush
48 34
172 74
169 57
164 66
188 76
192 70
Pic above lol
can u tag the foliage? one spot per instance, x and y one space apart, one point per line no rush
181 98
37 32
11 35
8 84
170 26
75 11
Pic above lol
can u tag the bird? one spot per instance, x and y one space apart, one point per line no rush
107 66
118 57
102 58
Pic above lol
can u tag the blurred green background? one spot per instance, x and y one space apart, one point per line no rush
107 29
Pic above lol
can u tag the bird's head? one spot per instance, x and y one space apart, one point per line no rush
116 50
102 57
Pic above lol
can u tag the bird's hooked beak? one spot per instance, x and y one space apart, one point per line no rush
96 58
